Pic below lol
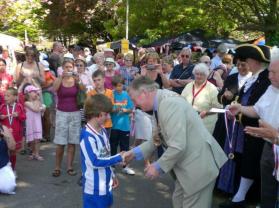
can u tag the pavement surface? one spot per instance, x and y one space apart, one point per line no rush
36 188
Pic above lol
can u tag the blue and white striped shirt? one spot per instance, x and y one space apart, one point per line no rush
96 161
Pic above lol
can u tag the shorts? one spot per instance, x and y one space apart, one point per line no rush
97 201
143 125
67 127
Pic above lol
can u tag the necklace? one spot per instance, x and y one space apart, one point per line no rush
104 140
195 94
230 136
10 115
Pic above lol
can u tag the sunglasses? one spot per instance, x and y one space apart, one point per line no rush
79 65
206 62
108 64
186 56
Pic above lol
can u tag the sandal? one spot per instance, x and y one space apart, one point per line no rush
56 173
71 172
38 157
31 157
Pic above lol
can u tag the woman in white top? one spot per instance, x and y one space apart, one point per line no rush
202 95
30 70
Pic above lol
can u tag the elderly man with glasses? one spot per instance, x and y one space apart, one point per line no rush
182 73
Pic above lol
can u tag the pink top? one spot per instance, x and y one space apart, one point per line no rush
67 98
108 80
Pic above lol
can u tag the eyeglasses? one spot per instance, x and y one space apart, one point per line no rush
128 60
186 56
109 64
79 65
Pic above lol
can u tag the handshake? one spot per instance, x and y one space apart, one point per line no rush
127 157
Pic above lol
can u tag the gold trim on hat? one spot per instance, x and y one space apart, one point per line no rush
257 48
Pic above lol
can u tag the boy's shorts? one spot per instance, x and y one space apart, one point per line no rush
97 201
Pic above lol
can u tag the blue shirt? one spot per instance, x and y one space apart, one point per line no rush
4 156
179 72
96 162
121 120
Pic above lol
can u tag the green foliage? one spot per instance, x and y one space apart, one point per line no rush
16 16
156 19
87 20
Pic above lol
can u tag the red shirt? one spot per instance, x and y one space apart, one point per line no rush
17 122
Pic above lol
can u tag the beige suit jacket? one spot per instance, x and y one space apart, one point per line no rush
191 152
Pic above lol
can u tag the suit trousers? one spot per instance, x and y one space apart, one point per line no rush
203 198
269 184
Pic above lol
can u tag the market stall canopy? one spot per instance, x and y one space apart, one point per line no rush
178 42
228 42
10 42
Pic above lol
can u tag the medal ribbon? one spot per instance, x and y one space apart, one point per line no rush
133 119
196 94
10 115
105 143
229 136
276 158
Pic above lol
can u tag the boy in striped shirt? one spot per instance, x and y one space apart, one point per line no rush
96 161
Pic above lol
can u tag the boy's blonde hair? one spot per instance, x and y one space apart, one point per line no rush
12 90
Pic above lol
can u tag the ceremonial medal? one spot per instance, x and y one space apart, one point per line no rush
230 136
10 114
231 156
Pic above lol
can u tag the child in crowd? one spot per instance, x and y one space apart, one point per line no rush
99 178
34 110
7 176
99 82
120 133
12 115
110 72
48 100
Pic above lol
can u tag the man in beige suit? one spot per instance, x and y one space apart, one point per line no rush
191 156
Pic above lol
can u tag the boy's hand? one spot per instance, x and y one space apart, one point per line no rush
15 114
3 117
115 183
128 157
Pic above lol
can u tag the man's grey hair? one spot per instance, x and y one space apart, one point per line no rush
56 44
201 68
274 52
143 83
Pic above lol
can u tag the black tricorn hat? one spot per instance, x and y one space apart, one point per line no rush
257 52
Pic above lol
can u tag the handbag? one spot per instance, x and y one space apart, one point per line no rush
81 96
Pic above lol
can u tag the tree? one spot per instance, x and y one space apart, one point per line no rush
157 19
250 15
82 19
16 16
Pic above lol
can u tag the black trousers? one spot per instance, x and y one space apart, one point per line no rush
269 183
119 138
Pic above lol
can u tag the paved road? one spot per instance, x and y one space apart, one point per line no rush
38 189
